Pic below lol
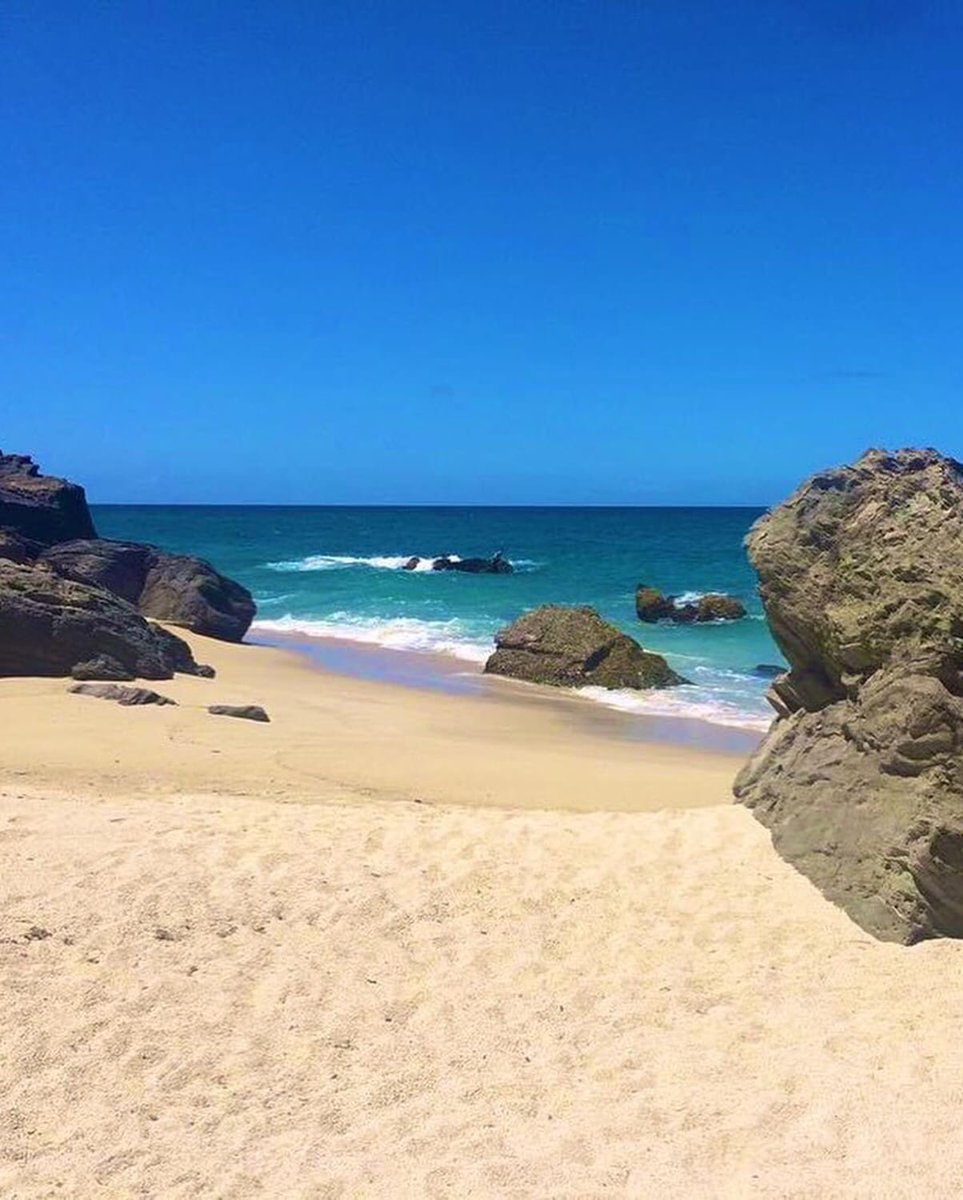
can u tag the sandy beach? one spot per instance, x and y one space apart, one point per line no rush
399 943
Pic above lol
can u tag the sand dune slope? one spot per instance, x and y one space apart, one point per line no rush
217 997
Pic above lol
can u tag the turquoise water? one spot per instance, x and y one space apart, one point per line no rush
336 572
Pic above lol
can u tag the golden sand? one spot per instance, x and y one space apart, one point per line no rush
398 944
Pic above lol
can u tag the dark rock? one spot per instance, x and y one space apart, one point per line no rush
574 647
188 591
247 712
41 507
49 625
651 606
412 563
123 695
768 670
101 667
179 654
17 549
496 565
118 567
176 588
861 778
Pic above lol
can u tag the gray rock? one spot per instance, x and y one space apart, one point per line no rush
179 654
574 647
50 625
127 696
247 712
176 588
101 667
860 779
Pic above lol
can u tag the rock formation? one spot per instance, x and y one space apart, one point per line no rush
73 603
55 626
496 565
574 647
40 507
176 588
651 605
861 778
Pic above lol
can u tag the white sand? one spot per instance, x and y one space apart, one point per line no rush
234 996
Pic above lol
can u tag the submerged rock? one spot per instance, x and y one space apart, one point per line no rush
176 588
127 696
39 507
574 647
861 778
651 605
496 565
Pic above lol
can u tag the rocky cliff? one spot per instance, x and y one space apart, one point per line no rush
40 507
73 603
861 778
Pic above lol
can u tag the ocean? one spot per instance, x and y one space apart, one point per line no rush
337 573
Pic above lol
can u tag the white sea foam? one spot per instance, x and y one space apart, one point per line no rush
380 562
689 703
397 633
338 562
699 702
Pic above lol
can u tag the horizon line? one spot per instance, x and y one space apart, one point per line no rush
420 504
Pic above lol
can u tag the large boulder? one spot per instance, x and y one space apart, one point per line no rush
176 588
574 647
861 778
55 626
41 507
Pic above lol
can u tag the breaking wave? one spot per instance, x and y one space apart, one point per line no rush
378 562
396 633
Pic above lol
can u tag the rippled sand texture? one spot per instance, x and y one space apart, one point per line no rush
233 997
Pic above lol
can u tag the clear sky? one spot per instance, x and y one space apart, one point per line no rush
539 251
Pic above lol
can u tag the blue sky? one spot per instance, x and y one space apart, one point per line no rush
564 252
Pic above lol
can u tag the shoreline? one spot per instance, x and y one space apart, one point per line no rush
338 739
435 671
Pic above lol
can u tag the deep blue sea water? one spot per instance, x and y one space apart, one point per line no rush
336 572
